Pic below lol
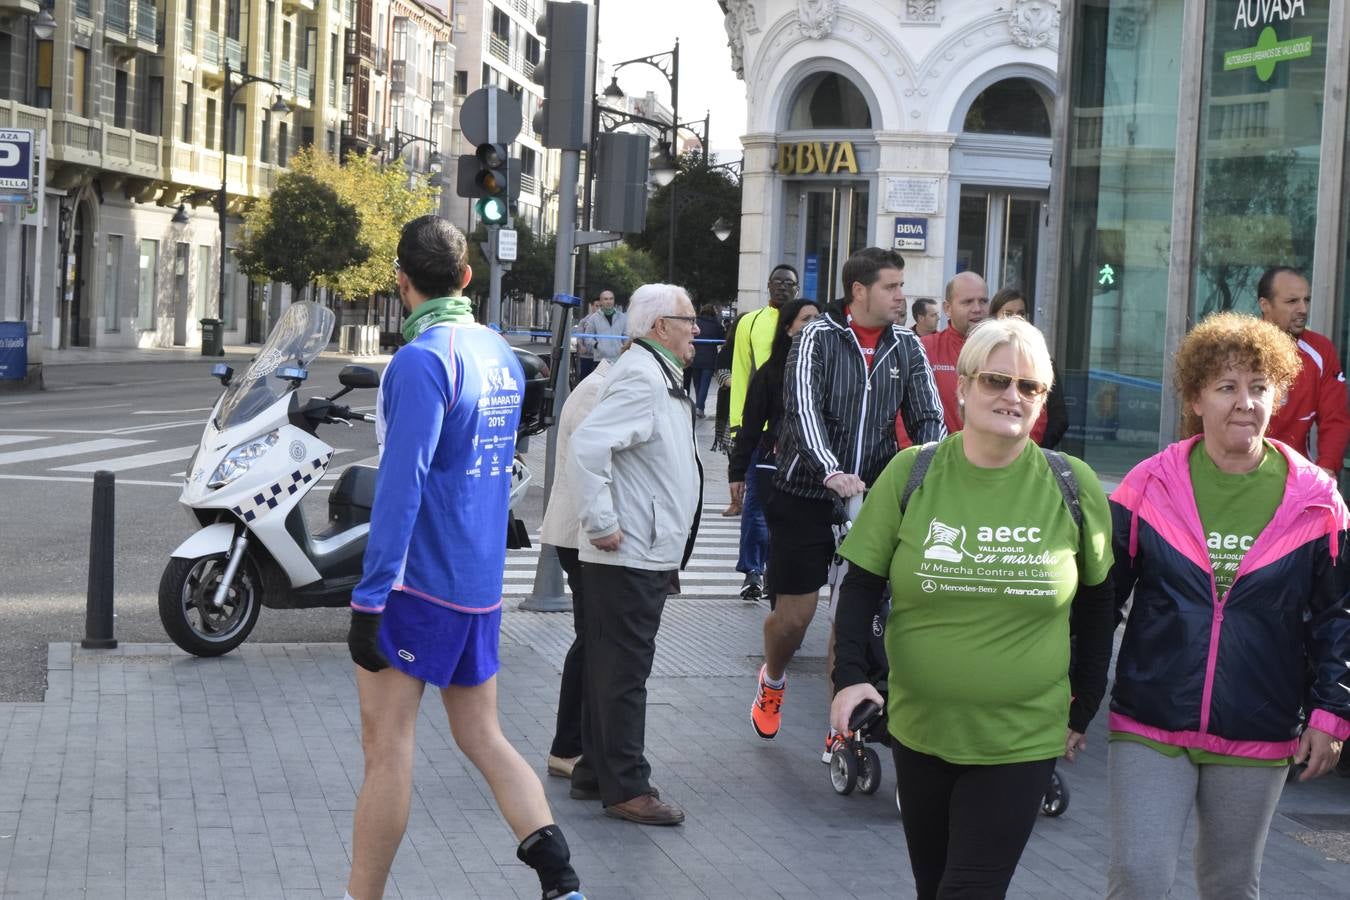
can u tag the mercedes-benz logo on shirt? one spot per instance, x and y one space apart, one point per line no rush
928 586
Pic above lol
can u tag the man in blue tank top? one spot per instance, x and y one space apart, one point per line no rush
428 607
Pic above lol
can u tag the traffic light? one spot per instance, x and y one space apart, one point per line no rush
567 75
490 175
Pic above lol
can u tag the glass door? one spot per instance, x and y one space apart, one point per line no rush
998 236
834 226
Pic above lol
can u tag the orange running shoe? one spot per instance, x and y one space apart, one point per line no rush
766 713
833 741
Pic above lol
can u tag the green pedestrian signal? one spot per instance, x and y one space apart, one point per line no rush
491 210
1106 275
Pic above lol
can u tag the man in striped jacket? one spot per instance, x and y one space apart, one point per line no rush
849 373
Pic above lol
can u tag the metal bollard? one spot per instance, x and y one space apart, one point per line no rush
98 610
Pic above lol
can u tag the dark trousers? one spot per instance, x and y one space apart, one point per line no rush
572 688
754 529
585 366
702 379
622 612
966 826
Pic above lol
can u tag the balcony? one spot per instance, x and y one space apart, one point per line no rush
16 115
286 75
189 33
290 6
77 140
266 64
499 48
528 184
438 98
131 152
359 45
234 53
304 85
147 25
84 8
398 74
20 7
526 9
117 20
211 48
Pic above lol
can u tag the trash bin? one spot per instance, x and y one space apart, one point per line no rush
213 337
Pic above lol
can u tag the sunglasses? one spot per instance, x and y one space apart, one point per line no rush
995 383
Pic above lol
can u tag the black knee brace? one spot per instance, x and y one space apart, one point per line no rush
546 852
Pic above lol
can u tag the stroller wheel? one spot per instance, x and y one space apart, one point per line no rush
843 772
1056 799
869 773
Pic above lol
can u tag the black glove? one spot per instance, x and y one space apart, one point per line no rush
363 641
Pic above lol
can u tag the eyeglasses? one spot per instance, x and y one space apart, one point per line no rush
397 267
690 319
995 383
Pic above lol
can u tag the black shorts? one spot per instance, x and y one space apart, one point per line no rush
801 542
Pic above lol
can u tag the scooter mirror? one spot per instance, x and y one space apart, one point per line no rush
358 377
223 372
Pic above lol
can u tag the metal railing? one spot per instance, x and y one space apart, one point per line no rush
499 48
211 48
286 75
267 63
526 9
117 15
189 33
304 84
528 184
147 21
234 52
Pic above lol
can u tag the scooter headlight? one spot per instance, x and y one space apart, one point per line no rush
237 461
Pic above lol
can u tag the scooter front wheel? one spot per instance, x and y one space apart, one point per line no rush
188 613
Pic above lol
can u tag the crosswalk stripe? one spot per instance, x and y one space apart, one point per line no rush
138 461
20 438
58 450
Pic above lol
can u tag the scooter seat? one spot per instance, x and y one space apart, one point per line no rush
352 497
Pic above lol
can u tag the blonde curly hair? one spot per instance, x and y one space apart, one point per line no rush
1229 339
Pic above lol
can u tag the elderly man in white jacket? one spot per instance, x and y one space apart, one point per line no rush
638 486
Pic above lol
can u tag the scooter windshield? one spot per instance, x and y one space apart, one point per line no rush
300 334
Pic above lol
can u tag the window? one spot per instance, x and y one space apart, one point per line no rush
233 15
527 161
6 75
112 281
265 145
191 10
269 23
151 116
187 118
461 82
210 123
828 100
531 49
1013 106
205 286
501 25
238 121
42 81
79 71
149 284
335 65
283 148
332 141
121 81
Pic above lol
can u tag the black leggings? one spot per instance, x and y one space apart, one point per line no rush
966 826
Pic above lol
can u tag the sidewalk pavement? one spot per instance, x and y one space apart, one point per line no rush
147 773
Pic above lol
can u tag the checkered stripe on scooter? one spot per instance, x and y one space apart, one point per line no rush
268 498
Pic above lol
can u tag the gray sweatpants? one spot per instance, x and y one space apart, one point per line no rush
1152 797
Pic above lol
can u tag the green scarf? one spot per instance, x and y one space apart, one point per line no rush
456 310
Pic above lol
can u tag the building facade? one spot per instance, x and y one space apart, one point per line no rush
131 96
922 125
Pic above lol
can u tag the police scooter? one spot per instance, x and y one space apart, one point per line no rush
260 454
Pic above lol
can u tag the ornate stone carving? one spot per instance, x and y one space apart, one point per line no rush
1033 23
921 11
816 18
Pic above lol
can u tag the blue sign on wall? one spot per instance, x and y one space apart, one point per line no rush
811 277
911 234
16 165
13 351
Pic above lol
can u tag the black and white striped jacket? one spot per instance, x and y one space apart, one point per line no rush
839 417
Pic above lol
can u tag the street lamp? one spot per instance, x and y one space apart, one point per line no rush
44 26
663 166
180 217
229 90
402 140
721 229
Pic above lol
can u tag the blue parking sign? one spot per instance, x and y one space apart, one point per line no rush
13 351
16 165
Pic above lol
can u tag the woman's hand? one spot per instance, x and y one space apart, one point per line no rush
1319 751
1073 743
847 700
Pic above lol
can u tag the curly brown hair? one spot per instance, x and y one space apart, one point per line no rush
1232 339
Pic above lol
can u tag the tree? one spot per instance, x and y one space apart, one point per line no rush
621 269
300 232
385 203
704 266
531 273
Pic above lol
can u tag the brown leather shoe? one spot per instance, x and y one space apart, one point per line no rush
647 809
733 509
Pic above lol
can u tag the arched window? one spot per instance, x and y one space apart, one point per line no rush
828 100
1013 106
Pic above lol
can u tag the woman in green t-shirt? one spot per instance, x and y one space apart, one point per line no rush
985 561
1235 548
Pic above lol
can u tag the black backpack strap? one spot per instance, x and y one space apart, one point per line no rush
1068 483
920 469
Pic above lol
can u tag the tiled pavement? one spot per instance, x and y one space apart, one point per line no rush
147 773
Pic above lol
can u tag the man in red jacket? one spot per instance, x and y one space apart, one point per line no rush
965 304
1317 396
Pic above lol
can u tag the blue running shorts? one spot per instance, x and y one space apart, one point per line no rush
437 645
